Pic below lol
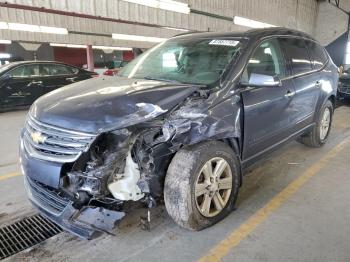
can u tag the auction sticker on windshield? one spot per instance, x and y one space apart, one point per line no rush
224 42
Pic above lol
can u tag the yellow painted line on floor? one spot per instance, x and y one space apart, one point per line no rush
3 177
223 248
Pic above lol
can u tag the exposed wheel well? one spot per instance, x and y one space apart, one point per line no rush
332 99
234 144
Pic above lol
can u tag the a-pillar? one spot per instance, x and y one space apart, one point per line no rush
90 58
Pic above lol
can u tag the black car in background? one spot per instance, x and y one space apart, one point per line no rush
180 123
21 83
344 85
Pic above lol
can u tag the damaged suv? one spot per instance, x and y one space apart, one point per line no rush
180 123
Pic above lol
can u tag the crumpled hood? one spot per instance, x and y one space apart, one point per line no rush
107 103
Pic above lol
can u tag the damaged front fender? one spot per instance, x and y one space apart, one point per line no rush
198 121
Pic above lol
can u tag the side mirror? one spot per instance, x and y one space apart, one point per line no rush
6 77
263 80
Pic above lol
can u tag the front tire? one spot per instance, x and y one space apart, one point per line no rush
201 184
320 132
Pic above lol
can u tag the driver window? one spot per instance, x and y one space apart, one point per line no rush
25 71
266 60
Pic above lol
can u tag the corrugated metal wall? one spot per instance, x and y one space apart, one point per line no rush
298 14
331 22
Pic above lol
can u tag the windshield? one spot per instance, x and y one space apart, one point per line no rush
193 61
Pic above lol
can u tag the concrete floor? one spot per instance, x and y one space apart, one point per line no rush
310 225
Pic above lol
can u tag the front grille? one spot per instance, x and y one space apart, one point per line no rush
25 233
344 89
51 143
48 198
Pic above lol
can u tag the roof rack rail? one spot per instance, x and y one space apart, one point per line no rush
189 32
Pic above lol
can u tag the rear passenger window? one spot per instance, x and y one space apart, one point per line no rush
297 55
57 69
317 54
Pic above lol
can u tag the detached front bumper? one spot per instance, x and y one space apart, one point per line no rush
87 222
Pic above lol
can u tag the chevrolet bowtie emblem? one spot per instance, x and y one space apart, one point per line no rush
38 138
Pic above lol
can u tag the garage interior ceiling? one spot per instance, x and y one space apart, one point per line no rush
94 21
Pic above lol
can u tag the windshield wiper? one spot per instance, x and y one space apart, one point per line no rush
173 81
161 79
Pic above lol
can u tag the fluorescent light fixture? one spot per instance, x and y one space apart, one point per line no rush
24 27
4 25
34 28
170 5
53 30
76 46
6 42
177 29
68 45
60 45
138 38
250 23
5 55
112 48
94 47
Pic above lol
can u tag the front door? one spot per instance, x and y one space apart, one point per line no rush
22 86
266 108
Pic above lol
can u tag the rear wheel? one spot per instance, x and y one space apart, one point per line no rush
320 132
201 184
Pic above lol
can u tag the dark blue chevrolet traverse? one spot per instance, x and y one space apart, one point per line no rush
180 123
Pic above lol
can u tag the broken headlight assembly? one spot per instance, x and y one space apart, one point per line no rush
120 166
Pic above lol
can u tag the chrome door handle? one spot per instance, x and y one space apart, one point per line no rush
289 94
71 79
35 83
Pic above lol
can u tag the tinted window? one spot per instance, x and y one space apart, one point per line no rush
57 69
317 54
297 55
267 59
25 71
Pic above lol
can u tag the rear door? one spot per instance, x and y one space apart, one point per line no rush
58 75
319 60
22 87
266 108
305 80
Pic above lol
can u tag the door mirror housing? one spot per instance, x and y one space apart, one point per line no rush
6 77
258 80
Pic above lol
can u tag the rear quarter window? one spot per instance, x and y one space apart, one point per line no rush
318 55
297 55
58 69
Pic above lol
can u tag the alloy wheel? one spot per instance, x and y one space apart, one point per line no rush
325 123
213 187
